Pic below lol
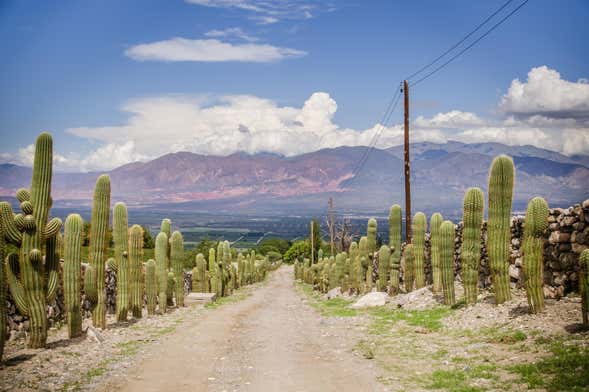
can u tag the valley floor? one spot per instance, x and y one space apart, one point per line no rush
282 336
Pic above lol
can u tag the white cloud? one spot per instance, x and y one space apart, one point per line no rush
451 119
232 32
267 11
210 50
545 93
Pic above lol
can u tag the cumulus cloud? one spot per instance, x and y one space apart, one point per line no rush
209 50
546 94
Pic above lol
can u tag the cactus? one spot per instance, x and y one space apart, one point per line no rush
384 255
150 286
409 276
340 266
213 272
3 313
226 266
30 233
584 285
434 226
536 224
121 244
198 275
72 260
98 246
177 257
501 178
471 243
446 247
418 240
166 227
135 270
171 284
240 270
161 246
395 245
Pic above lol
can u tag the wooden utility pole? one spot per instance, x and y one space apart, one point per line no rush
331 239
407 167
312 247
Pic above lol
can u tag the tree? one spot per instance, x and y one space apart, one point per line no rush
317 242
148 242
300 249
273 244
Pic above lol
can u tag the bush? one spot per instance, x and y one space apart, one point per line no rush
273 256
297 250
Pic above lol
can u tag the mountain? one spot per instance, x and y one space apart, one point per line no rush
269 183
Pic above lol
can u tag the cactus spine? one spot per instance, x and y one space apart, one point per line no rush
501 178
135 269
121 243
409 276
395 245
72 271
434 226
584 283
161 246
471 243
418 240
30 232
177 258
533 253
150 286
98 246
384 255
446 247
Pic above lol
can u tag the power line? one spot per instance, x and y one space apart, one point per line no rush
467 36
471 45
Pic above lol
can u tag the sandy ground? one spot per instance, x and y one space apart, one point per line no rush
271 341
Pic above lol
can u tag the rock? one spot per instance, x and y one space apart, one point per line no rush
514 272
334 293
94 334
375 298
585 204
199 298
557 237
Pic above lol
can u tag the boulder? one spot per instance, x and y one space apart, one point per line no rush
375 298
334 293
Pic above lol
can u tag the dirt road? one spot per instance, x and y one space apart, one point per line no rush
270 341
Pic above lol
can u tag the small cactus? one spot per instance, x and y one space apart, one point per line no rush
72 260
177 257
135 269
418 240
584 284
150 286
434 223
501 178
395 221
446 246
409 277
471 243
161 246
384 255
536 224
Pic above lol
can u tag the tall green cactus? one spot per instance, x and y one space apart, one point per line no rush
240 270
166 227
446 246
501 178
409 276
72 272
533 252
434 223
418 240
340 268
214 285
3 288
371 237
161 247
171 284
395 245
121 245
135 269
199 275
471 243
98 246
384 255
584 285
31 233
177 257
150 286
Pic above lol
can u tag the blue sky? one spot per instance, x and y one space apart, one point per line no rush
112 79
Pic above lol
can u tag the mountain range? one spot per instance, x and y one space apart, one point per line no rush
272 184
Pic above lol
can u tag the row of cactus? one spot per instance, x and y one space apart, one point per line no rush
357 271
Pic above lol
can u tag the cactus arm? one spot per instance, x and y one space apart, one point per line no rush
14 284
52 266
52 228
11 232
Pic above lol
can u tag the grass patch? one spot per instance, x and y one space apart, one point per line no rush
129 348
236 297
566 369
384 318
335 307
452 380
